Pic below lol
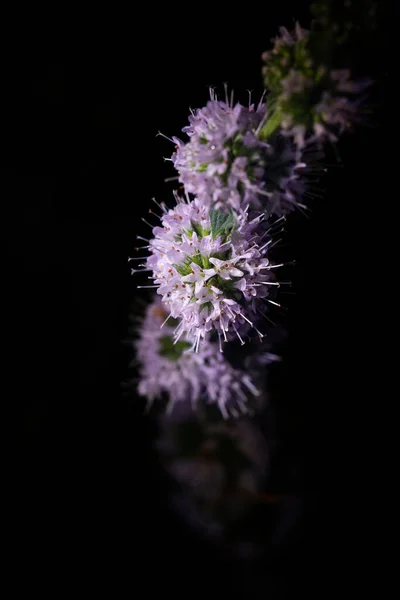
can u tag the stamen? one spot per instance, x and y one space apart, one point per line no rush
223 410
249 92
276 222
250 386
238 334
147 223
272 302
242 405
147 287
273 266
162 325
262 123
178 336
266 317
198 341
262 98
133 271
160 206
165 136
220 345
275 243
226 93
260 217
260 335
246 319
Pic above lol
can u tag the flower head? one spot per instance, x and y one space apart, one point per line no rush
220 469
225 163
211 270
309 101
168 367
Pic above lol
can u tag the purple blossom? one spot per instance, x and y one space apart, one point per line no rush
289 38
311 102
225 163
188 377
340 108
211 270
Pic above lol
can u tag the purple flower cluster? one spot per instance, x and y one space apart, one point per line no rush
226 164
341 106
311 102
173 369
243 169
211 269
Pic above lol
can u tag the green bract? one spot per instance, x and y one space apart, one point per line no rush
170 350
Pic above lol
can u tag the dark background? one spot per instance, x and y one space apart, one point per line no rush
83 106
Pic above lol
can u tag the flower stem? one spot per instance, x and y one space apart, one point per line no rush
270 126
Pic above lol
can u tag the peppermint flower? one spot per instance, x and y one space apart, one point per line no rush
167 367
226 164
220 470
308 100
336 112
211 270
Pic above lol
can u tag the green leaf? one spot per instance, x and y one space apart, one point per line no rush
205 305
199 229
205 262
183 269
230 223
196 259
238 148
221 224
170 350
270 126
172 322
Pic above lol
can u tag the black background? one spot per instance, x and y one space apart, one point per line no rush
84 103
